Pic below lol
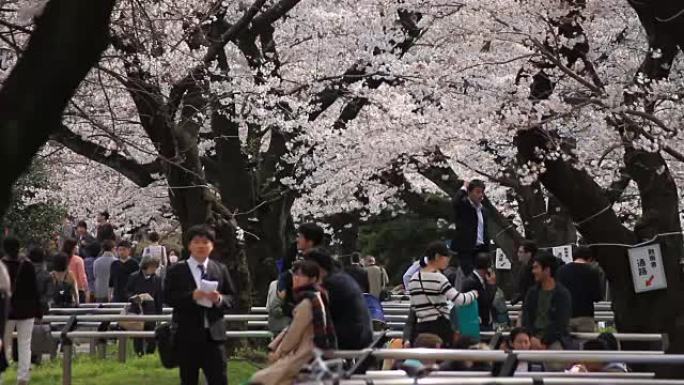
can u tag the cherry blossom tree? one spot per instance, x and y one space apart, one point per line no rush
545 94
202 98
543 97
249 112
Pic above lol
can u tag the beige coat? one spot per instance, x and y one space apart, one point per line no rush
377 280
292 349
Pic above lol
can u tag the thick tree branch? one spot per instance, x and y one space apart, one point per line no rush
585 201
618 187
350 111
140 174
67 41
179 89
436 169
271 15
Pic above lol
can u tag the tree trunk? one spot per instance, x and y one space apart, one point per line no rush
532 211
660 215
587 204
345 231
190 197
275 229
230 251
67 41
260 206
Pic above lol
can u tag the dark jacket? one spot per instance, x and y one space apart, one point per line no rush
584 284
25 300
105 232
138 284
360 275
525 282
187 314
559 314
4 309
349 312
285 284
118 278
486 294
89 264
83 243
45 286
465 218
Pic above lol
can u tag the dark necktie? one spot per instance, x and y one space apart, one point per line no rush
203 274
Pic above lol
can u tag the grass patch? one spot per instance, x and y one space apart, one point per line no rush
146 370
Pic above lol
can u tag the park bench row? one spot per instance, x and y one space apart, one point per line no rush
98 341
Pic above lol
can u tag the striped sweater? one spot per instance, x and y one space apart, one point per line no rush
430 292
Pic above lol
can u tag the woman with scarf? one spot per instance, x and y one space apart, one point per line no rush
311 328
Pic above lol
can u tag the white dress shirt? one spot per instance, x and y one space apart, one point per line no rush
196 272
480 223
480 220
197 276
413 269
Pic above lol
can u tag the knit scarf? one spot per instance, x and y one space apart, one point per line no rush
324 330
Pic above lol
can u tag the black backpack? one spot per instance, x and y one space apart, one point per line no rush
165 335
63 294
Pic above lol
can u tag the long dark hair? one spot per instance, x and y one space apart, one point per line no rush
69 246
60 262
11 246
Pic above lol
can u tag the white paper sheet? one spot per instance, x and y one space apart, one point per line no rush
207 286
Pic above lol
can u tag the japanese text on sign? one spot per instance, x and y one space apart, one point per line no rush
563 252
648 273
502 261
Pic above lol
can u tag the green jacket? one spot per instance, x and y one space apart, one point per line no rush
559 314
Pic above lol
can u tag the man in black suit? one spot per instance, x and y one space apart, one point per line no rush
104 229
83 238
483 280
201 332
356 271
471 224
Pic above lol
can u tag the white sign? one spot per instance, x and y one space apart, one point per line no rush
502 261
563 252
647 268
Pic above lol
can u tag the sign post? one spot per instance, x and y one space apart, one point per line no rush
563 252
502 261
647 268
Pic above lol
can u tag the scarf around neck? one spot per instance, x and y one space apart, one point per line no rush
324 331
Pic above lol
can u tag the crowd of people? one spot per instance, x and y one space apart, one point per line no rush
558 300
88 267
315 303
452 300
